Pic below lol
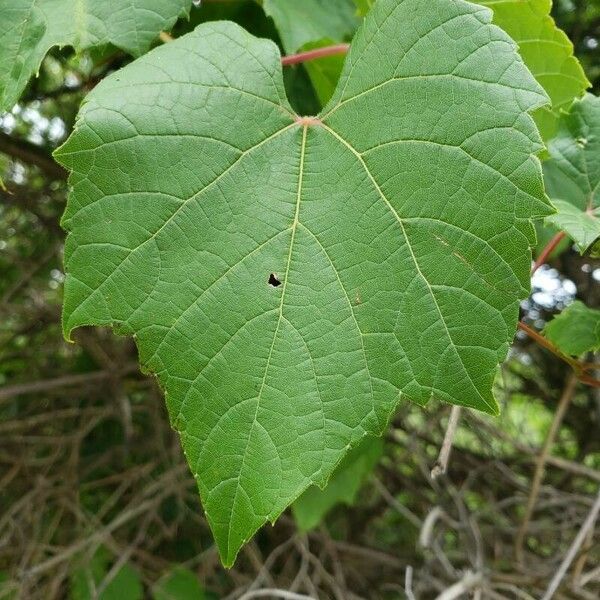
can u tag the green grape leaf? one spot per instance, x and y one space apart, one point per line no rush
324 72
307 21
178 584
343 487
289 279
363 6
572 173
30 28
547 52
576 330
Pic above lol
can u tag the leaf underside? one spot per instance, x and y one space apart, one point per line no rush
572 174
30 28
290 279
582 226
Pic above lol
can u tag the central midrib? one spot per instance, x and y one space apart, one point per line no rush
280 318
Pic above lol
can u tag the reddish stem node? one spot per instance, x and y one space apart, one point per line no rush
308 121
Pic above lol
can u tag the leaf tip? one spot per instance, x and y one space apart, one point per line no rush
493 409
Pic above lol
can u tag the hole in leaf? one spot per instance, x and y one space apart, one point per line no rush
273 280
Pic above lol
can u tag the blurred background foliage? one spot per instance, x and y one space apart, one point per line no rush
96 500
580 19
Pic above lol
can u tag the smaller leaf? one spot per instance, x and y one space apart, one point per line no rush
582 226
125 584
547 52
572 174
324 72
178 584
576 330
312 507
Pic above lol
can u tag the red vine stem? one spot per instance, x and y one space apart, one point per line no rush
294 59
579 367
291 59
548 250
546 343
